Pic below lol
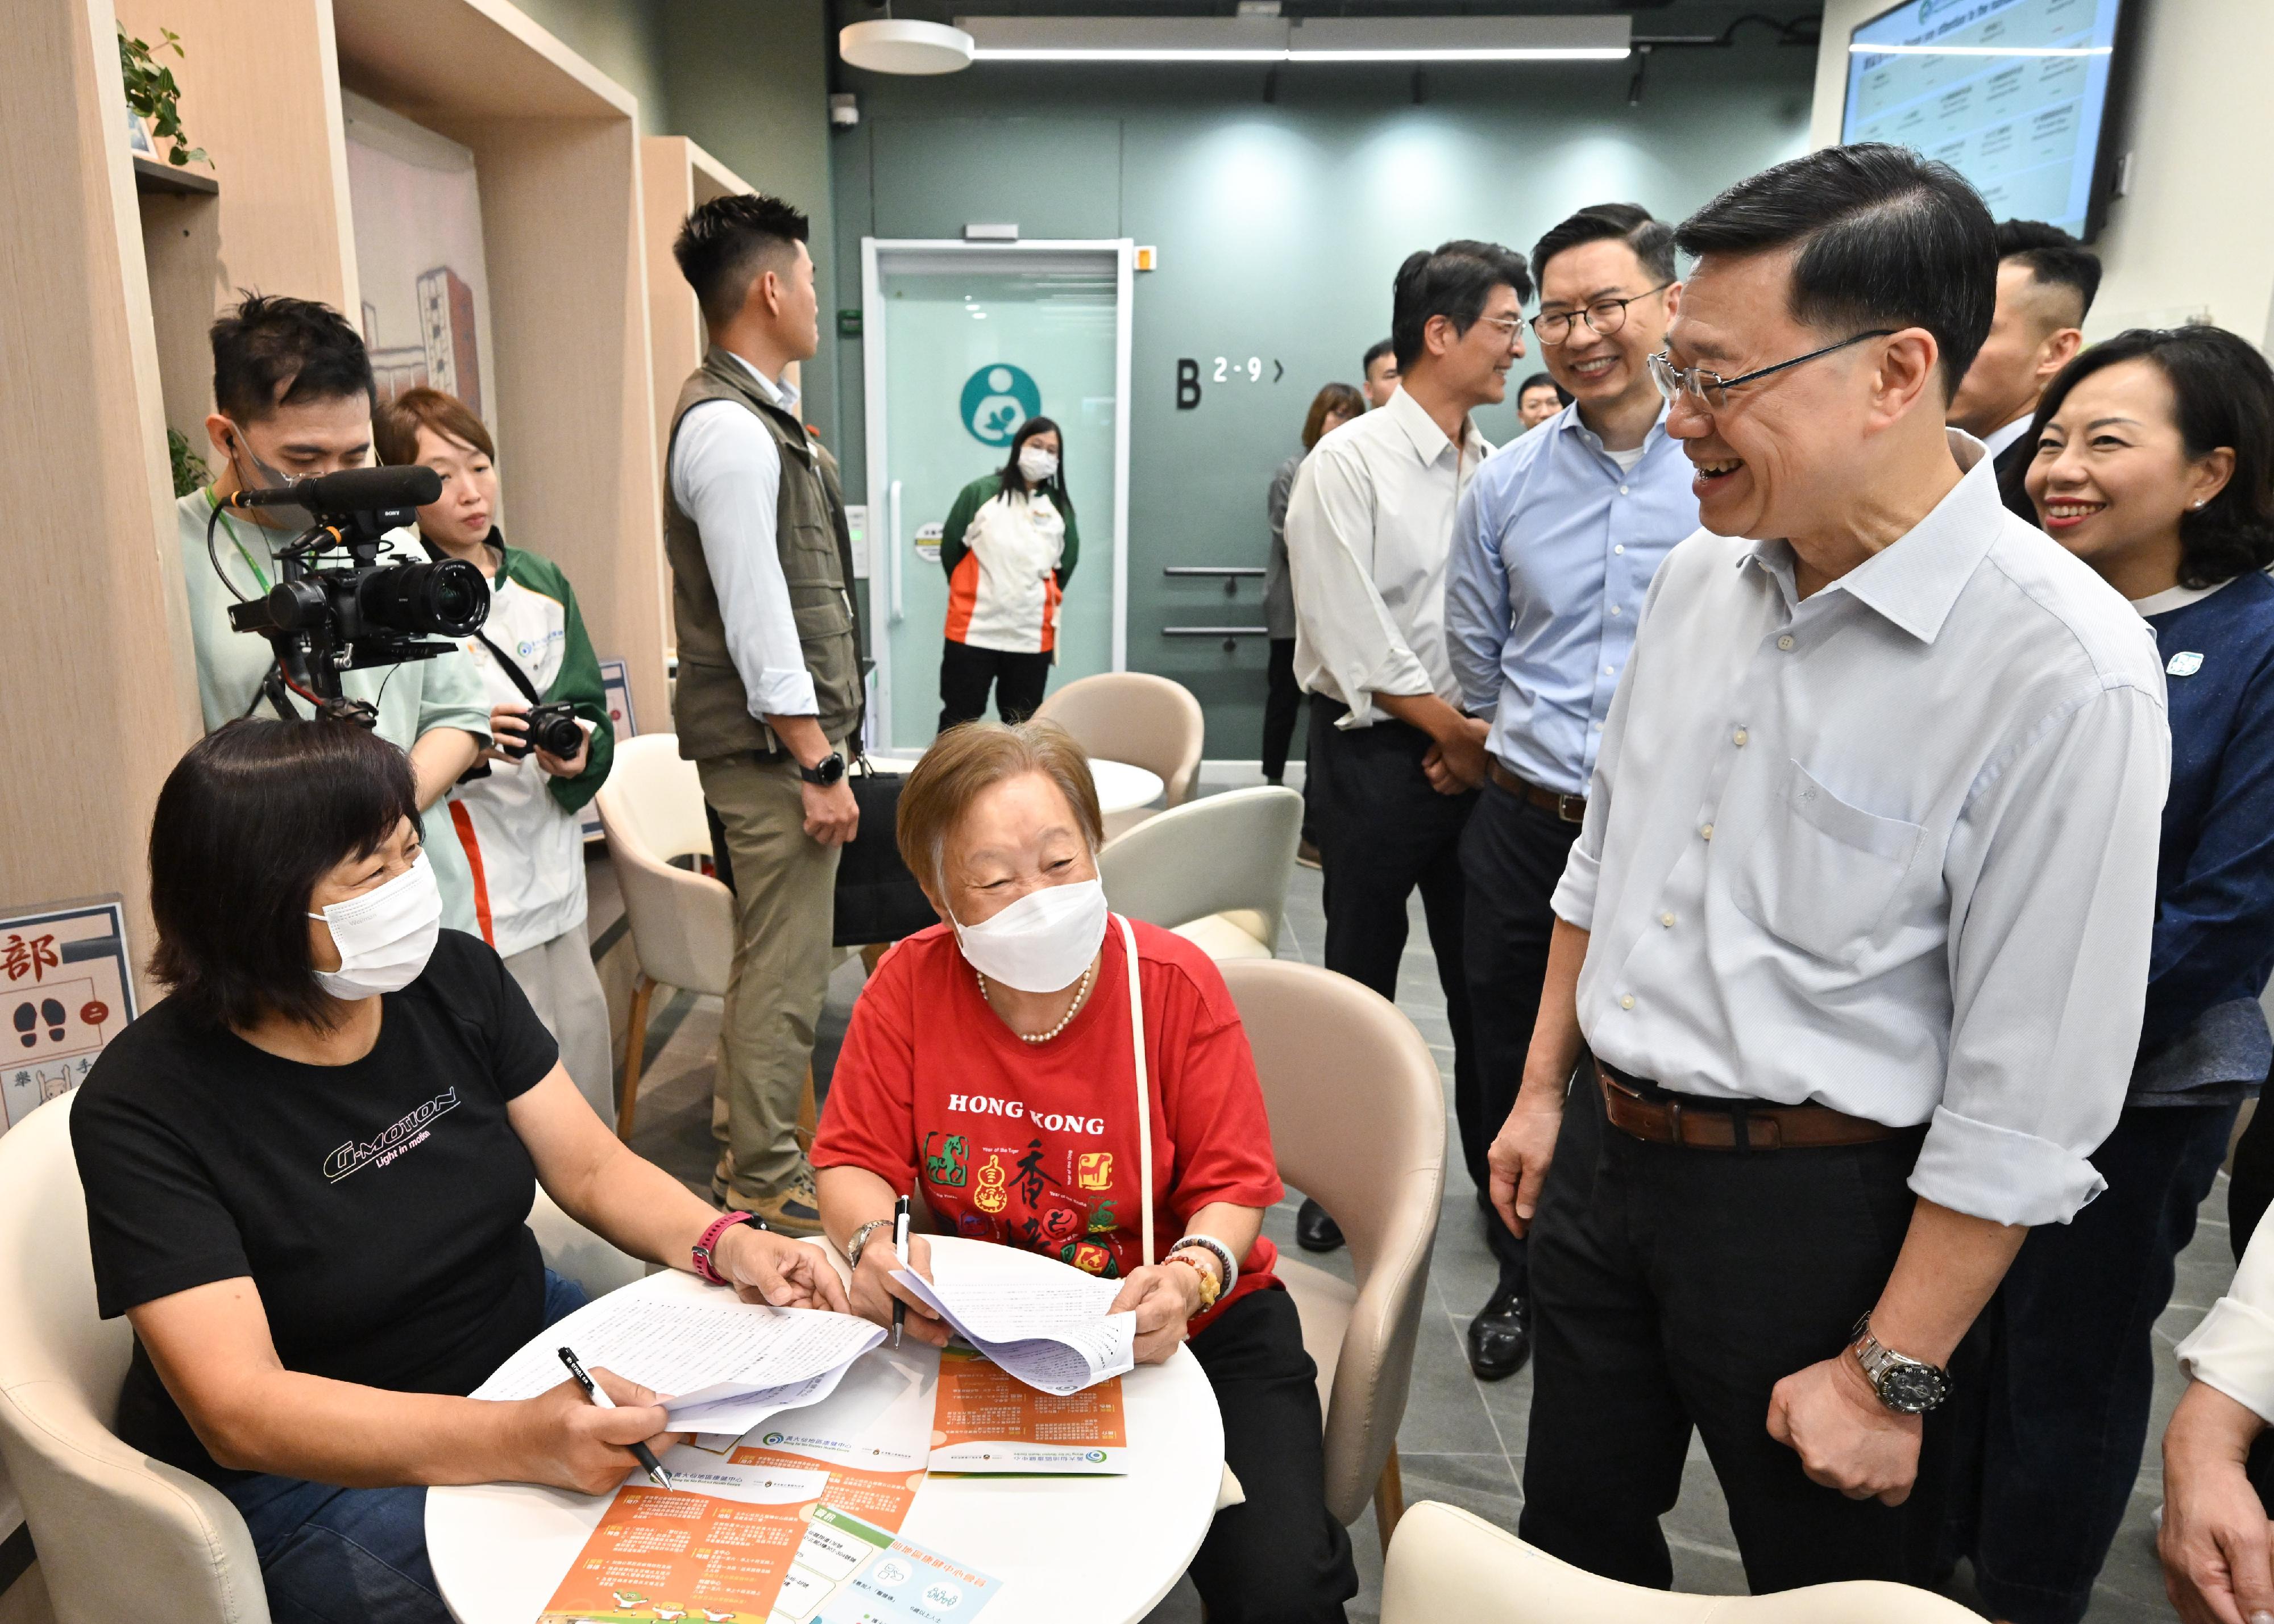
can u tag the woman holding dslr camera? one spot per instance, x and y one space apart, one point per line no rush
518 813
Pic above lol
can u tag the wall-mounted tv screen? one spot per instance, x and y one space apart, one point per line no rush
2013 94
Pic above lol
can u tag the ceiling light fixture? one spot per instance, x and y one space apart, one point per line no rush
1255 39
903 45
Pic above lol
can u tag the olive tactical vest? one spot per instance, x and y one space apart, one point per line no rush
711 707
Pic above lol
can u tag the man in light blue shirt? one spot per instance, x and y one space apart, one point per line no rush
1556 543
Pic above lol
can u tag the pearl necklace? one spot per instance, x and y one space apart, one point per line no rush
1080 991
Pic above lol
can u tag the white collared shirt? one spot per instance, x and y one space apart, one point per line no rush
726 475
1369 531
1891 849
1997 439
2232 1349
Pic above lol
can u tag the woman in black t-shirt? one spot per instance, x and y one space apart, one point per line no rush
308 1170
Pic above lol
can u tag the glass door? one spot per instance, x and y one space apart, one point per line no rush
963 342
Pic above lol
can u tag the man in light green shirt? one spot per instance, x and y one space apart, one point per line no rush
293 397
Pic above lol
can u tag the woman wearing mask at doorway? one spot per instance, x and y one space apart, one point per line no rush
520 820
1009 548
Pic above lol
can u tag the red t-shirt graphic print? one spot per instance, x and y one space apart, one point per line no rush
1035 1145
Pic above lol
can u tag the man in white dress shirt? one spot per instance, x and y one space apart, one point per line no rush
1857 926
2046 283
769 690
1393 764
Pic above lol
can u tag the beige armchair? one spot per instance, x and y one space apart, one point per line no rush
1446 1564
1133 717
682 923
1358 1122
120 1535
1213 870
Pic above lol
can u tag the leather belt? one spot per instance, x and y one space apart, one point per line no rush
1713 1125
1571 809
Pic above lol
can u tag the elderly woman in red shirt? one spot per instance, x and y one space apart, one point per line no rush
992 1063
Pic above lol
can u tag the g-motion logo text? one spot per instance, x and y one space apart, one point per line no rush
389 1141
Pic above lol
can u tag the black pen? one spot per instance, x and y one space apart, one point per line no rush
900 1245
641 1453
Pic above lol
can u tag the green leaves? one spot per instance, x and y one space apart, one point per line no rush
152 93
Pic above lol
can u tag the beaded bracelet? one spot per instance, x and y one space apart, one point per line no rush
1210 1289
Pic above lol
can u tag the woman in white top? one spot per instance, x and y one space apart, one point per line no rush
1009 548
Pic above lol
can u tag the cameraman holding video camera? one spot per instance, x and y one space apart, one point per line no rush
292 399
519 820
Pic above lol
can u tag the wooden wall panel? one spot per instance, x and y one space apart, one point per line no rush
100 700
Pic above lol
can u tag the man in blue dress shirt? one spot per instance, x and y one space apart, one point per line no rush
1556 542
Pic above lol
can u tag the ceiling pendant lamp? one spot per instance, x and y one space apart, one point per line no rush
902 45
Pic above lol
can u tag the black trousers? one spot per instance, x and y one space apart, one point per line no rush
1512 854
2071 1366
1674 1288
965 675
1281 1558
1382 832
1282 700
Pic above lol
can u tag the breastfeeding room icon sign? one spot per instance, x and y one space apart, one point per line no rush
997 399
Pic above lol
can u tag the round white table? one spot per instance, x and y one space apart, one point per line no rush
1101 1549
1121 786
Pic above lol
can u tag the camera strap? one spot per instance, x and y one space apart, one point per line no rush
512 669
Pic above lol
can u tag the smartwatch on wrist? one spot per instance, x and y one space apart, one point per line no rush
1907 1385
706 1250
825 772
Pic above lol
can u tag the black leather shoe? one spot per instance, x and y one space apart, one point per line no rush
1500 1341
1315 1231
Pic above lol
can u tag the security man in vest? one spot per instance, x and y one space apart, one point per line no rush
769 695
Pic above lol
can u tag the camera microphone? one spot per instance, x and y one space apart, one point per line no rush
352 490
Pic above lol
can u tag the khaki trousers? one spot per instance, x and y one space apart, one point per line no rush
564 990
785 914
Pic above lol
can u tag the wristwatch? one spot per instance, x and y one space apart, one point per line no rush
859 1243
1907 1385
825 772
706 1250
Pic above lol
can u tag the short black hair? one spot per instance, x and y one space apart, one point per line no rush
270 352
1375 352
2055 259
1886 240
1534 382
721 246
2224 393
1651 240
249 821
1453 281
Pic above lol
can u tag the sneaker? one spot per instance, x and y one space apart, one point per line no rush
795 1210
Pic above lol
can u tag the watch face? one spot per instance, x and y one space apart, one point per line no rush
1912 1388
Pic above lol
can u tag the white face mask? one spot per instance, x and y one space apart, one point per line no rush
384 936
1037 464
1041 942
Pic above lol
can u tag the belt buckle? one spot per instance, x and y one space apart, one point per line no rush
1565 805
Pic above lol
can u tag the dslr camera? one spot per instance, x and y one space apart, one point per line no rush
553 729
336 608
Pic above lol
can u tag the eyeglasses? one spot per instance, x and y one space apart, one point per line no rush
1604 317
1511 327
1710 390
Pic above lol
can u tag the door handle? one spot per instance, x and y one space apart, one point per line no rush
893 506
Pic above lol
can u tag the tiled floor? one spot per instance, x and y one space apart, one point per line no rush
1463 1439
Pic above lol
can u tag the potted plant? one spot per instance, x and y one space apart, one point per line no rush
152 93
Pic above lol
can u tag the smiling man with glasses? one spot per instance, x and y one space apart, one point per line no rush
1393 764
1555 544
1855 930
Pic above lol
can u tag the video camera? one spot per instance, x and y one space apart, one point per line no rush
358 613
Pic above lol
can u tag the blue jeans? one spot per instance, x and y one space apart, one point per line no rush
353 1556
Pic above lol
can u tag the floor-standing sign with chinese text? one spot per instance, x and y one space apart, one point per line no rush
66 988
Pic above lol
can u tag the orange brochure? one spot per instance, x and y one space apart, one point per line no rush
879 1499
986 1420
672 1554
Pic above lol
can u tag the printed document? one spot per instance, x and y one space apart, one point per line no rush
1048 1327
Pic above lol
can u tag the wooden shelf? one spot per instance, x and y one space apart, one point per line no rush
157 175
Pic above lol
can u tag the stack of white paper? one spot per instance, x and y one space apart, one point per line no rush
727 1364
1048 1327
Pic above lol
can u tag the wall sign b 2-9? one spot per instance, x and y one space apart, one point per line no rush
1222 369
